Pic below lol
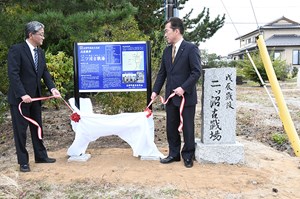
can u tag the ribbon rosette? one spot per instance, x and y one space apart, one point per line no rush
75 117
148 112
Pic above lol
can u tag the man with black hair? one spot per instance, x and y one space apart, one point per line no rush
181 69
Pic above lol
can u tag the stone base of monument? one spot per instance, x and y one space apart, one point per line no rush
220 153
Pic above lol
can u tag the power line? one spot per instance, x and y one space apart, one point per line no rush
245 23
254 14
230 18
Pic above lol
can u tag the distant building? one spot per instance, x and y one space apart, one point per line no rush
281 36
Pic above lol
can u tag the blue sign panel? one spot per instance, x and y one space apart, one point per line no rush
112 66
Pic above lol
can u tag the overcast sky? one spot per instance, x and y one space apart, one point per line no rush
244 19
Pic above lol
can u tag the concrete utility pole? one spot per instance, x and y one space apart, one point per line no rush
171 8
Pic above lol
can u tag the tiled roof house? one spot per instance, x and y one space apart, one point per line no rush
281 36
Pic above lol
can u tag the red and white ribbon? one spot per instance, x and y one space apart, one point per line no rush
32 120
180 108
147 110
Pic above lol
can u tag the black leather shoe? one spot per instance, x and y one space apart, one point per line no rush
46 160
188 163
169 159
24 168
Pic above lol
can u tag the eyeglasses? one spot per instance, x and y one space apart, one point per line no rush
40 34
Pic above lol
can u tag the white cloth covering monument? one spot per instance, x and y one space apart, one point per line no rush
135 128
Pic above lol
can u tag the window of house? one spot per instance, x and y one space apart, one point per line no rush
296 57
249 41
277 55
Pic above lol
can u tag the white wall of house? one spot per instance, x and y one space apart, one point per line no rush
248 40
269 33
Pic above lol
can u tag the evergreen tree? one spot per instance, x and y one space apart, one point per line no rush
66 21
201 28
151 17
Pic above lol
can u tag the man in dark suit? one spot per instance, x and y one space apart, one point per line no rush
180 67
26 68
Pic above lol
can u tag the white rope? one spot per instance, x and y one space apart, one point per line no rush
255 68
262 81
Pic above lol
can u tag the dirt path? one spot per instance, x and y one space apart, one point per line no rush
266 173
112 171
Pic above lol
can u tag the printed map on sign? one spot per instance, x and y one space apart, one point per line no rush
133 60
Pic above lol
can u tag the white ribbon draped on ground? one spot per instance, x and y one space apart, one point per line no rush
135 128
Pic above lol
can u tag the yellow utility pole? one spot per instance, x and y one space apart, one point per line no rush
283 110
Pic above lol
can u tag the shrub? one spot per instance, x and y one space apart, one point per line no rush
3 107
114 103
246 68
295 72
3 69
60 67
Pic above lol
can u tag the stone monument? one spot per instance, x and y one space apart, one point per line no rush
218 137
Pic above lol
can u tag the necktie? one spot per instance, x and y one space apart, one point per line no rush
173 53
35 59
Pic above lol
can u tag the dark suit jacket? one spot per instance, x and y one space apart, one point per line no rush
184 72
22 75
